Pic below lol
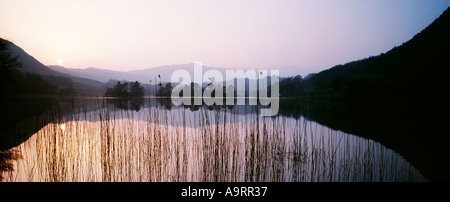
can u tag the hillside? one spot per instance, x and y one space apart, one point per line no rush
29 64
413 67
396 98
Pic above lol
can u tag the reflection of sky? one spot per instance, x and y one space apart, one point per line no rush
155 139
295 36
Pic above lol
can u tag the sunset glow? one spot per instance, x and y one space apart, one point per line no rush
274 92
294 36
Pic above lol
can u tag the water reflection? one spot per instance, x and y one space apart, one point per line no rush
21 118
156 144
129 104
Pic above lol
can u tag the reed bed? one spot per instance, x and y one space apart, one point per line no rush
156 144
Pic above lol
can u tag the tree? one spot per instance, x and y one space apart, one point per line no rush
291 86
338 84
136 90
8 63
119 90
8 67
123 90
15 82
165 90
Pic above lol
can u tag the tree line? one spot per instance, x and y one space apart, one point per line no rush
126 90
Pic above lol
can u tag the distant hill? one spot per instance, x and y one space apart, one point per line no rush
111 77
56 78
101 75
142 75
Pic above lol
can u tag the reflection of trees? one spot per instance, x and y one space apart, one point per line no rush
165 91
196 87
127 96
136 104
6 156
166 102
128 104
23 118
193 107
125 90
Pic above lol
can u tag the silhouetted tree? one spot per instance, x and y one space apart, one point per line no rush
136 90
8 63
165 90
338 84
12 81
119 90
291 86
130 96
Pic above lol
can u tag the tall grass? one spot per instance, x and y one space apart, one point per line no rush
155 144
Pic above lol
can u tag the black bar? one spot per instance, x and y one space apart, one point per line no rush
228 191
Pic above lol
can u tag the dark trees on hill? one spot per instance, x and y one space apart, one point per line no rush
12 81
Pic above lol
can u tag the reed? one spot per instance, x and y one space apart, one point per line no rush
156 144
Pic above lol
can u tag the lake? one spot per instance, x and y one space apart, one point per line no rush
151 140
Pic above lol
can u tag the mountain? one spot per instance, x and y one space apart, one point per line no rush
167 70
56 78
29 63
143 75
397 98
401 69
102 75
309 76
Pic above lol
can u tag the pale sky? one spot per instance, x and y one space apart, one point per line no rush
294 36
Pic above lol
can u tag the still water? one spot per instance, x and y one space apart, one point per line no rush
157 143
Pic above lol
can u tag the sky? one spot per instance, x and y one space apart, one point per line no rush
294 36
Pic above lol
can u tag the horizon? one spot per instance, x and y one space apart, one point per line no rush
296 37
226 91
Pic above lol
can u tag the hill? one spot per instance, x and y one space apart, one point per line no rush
143 75
396 98
101 75
417 66
30 65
